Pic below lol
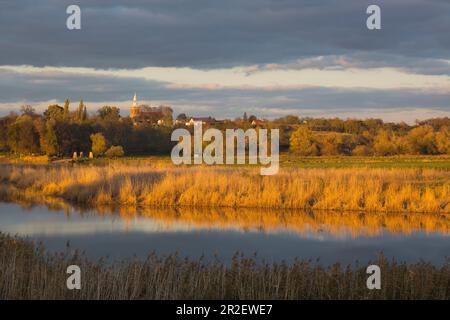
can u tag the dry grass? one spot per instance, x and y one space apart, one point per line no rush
363 189
27 272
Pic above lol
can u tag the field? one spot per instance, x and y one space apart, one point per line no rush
369 184
286 160
28 272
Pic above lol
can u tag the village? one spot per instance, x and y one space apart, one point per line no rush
163 115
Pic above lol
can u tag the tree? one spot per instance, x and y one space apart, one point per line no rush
289 119
334 143
5 123
73 137
182 117
99 144
252 118
27 110
383 144
361 150
115 152
109 113
66 112
49 141
245 118
443 140
23 137
167 121
54 112
422 140
82 112
303 143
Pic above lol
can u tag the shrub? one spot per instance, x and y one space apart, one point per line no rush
98 144
115 152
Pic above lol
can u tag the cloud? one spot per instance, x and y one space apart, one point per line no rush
271 58
427 66
212 33
268 78
42 87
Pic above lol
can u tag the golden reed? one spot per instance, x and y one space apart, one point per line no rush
362 189
29 272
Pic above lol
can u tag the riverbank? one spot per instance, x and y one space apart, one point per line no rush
27 271
406 190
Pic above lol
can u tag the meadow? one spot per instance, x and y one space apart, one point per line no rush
27 271
157 183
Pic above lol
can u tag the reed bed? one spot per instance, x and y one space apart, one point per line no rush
28 272
362 189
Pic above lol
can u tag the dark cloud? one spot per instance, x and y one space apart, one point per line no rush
212 33
426 66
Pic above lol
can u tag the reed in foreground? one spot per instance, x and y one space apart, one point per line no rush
399 190
27 272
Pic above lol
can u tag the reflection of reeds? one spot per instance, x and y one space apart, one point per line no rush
400 190
30 273
337 224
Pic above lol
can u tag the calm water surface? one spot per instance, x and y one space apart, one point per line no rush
330 237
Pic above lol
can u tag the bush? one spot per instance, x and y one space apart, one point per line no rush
99 144
303 143
115 152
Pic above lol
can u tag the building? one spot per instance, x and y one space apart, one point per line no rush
258 122
200 120
145 114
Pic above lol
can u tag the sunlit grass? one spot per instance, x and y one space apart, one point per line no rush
156 185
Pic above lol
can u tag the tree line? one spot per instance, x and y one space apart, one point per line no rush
61 131
315 137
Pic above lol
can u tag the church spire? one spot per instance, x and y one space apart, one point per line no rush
135 100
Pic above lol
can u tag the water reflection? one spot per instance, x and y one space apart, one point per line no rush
275 235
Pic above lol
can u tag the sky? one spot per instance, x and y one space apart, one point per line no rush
222 58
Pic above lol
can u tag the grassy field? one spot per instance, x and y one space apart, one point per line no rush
286 160
157 184
431 162
292 161
28 272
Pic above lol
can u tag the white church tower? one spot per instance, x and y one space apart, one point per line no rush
135 110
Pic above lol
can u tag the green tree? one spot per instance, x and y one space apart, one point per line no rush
99 144
302 142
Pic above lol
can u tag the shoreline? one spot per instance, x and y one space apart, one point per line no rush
403 190
30 272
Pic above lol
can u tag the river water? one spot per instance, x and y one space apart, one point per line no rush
273 235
